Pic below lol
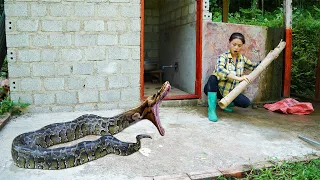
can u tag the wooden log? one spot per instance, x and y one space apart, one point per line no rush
224 102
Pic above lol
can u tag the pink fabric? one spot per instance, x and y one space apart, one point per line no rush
290 106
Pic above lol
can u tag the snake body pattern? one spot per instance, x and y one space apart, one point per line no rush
31 150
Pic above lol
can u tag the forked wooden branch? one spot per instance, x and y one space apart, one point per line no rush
224 102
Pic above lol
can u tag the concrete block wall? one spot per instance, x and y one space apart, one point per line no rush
176 13
178 42
151 30
74 55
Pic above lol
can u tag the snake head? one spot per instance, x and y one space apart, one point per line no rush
151 106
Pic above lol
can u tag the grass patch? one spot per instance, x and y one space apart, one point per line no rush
286 171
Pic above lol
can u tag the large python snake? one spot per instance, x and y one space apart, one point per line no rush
30 150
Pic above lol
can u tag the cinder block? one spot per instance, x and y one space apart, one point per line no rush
134 81
104 106
66 98
43 69
118 81
84 10
19 70
60 40
40 40
130 10
113 10
153 20
75 83
135 53
38 10
10 25
94 25
51 26
95 82
14 85
117 26
23 98
63 69
107 68
88 96
73 25
85 107
71 55
53 84
95 53
11 55
17 9
110 96
135 25
130 93
119 53
192 8
130 67
185 11
206 5
130 39
17 40
106 39
148 29
27 25
40 99
30 84
60 10
207 16
49 55
128 104
178 13
83 68
86 40
29 55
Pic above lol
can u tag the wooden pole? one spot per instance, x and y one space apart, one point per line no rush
225 11
224 102
288 51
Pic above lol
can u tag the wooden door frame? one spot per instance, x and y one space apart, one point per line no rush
197 95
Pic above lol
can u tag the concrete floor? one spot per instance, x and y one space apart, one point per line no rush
191 143
150 88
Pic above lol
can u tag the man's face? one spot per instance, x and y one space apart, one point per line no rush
235 46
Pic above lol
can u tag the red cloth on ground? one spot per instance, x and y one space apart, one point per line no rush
291 106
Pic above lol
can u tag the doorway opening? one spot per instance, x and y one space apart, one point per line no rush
171 47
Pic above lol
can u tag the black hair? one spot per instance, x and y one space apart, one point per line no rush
237 35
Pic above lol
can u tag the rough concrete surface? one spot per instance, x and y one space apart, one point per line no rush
192 144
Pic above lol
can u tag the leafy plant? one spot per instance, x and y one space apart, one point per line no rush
8 105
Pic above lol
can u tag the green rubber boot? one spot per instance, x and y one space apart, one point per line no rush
212 104
229 107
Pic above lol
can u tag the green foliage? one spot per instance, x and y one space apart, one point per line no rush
305 41
286 170
7 105
4 67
